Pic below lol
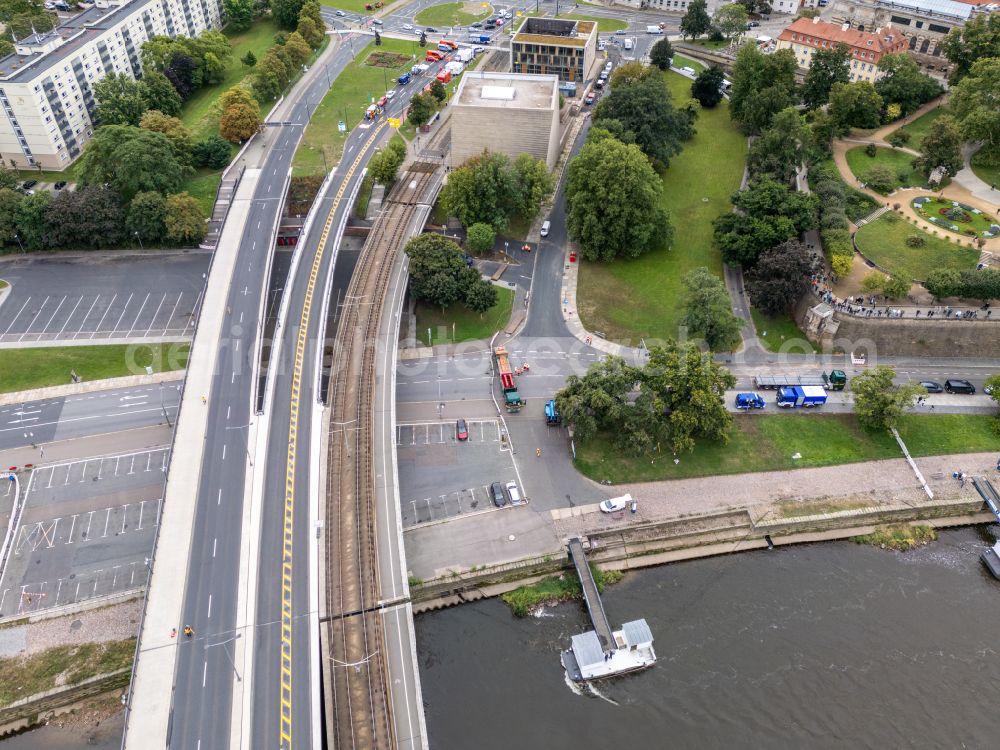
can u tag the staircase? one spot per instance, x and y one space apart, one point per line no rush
872 216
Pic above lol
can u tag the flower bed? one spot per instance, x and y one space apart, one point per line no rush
955 217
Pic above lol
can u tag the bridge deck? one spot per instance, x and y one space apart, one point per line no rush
591 595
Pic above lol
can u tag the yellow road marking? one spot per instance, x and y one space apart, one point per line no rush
293 425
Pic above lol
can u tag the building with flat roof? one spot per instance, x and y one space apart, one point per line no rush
554 46
805 36
508 113
46 85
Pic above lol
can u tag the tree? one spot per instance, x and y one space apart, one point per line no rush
89 217
978 39
160 94
121 100
266 82
942 146
661 54
696 20
873 281
878 403
902 83
731 19
180 71
214 152
881 178
31 220
782 147
758 7
385 164
130 160
422 109
855 105
646 113
249 59
238 94
976 104
896 286
312 33
239 123
310 10
481 190
298 48
763 85
708 310
6 47
992 383
765 196
943 282
707 87
239 13
613 201
147 215
9 202
532 184
631 72
438 90
286 12
175 131
827 67
599 400
983 284
480 296
480 238
9 179
437 269
184 220
781 277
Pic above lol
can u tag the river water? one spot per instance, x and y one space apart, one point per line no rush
823 645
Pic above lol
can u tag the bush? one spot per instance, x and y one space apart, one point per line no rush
899 138
880 178
915 240
213 152
871 150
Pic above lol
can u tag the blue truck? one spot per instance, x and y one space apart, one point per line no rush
479 38
748 401
801 396
551 413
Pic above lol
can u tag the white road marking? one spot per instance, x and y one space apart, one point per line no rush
106 311
127 302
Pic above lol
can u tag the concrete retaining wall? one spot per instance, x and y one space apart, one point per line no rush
36 709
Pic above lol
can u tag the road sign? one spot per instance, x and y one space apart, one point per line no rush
394 121
342 126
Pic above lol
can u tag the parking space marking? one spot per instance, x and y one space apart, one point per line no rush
100 323
138 315
12 322
83 320
118 322
69 317
44 303
31 597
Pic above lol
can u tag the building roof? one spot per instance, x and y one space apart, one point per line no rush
481 88
555 31
949 8
637 632
587 649
812 32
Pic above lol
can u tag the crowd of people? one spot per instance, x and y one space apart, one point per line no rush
867 307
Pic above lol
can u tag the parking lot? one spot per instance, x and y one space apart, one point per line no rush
441 477
86 530
132 298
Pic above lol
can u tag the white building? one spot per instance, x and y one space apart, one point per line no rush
46 85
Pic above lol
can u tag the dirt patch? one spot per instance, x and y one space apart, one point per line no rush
386 60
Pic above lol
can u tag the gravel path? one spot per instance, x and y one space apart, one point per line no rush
113 623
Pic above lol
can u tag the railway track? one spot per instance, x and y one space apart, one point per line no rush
361 716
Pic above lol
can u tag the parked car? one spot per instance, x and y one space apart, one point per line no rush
60 185
620 32
590 98
389 94
959 386
513 493
615 504
377 22
407 27
475 25
497 493
28 184
430 30
988 390
599 83
546 226
461 430
931 386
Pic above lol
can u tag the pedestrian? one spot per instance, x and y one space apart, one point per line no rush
538 452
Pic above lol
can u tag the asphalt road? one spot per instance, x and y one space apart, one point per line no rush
107 295
86 415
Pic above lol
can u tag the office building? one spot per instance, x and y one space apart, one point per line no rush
554 46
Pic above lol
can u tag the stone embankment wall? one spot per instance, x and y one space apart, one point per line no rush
37 709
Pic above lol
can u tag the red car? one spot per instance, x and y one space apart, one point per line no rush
461 430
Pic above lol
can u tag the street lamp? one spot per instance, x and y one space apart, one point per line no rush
246 444
228 655
164 408
140 241
18 238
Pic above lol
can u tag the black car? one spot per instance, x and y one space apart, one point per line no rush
959 386
60 185
430 30
498 495
475 25
28 184
931 386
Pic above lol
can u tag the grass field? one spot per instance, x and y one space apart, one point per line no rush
680 61
467 325
45 366
767 443
604 25
988 174
347 100
357 6
897 161
451 14
884 242
61 665
629 299
919 128
778 333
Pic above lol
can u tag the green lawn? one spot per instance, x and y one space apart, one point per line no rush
767 443
884 242
990 174
932 209
45 366
69 174
629 299
709 44
451 14
357 6
779 333
458 323
897 161
61 665
680 61
919 128
347 100
604 25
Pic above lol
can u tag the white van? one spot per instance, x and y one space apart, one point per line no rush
628 44
616 504
546 225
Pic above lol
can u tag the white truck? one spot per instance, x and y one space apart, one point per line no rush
464 55
628 44
654 30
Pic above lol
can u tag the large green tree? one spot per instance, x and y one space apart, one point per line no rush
661 54
121 100
976 103
147 214
707 87
31 220
439 275
708 310
184 220
239 13
781 277
88 217
978 39
643 112
782 147
878 402
942 146
731 19
855 105
160 94
533 183
130 160
827 67
943 282
9 201
481 190
763 85
696 20
286 12
385 164
902 83
599 401
422 109
175 131
613 200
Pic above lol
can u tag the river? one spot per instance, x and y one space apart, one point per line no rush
823 645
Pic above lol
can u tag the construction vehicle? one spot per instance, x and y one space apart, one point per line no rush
551 413
835 380
511 398
801 396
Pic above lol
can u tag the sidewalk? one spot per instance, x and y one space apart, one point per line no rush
972 182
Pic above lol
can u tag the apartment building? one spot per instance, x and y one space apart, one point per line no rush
46 86
805 36
566 49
